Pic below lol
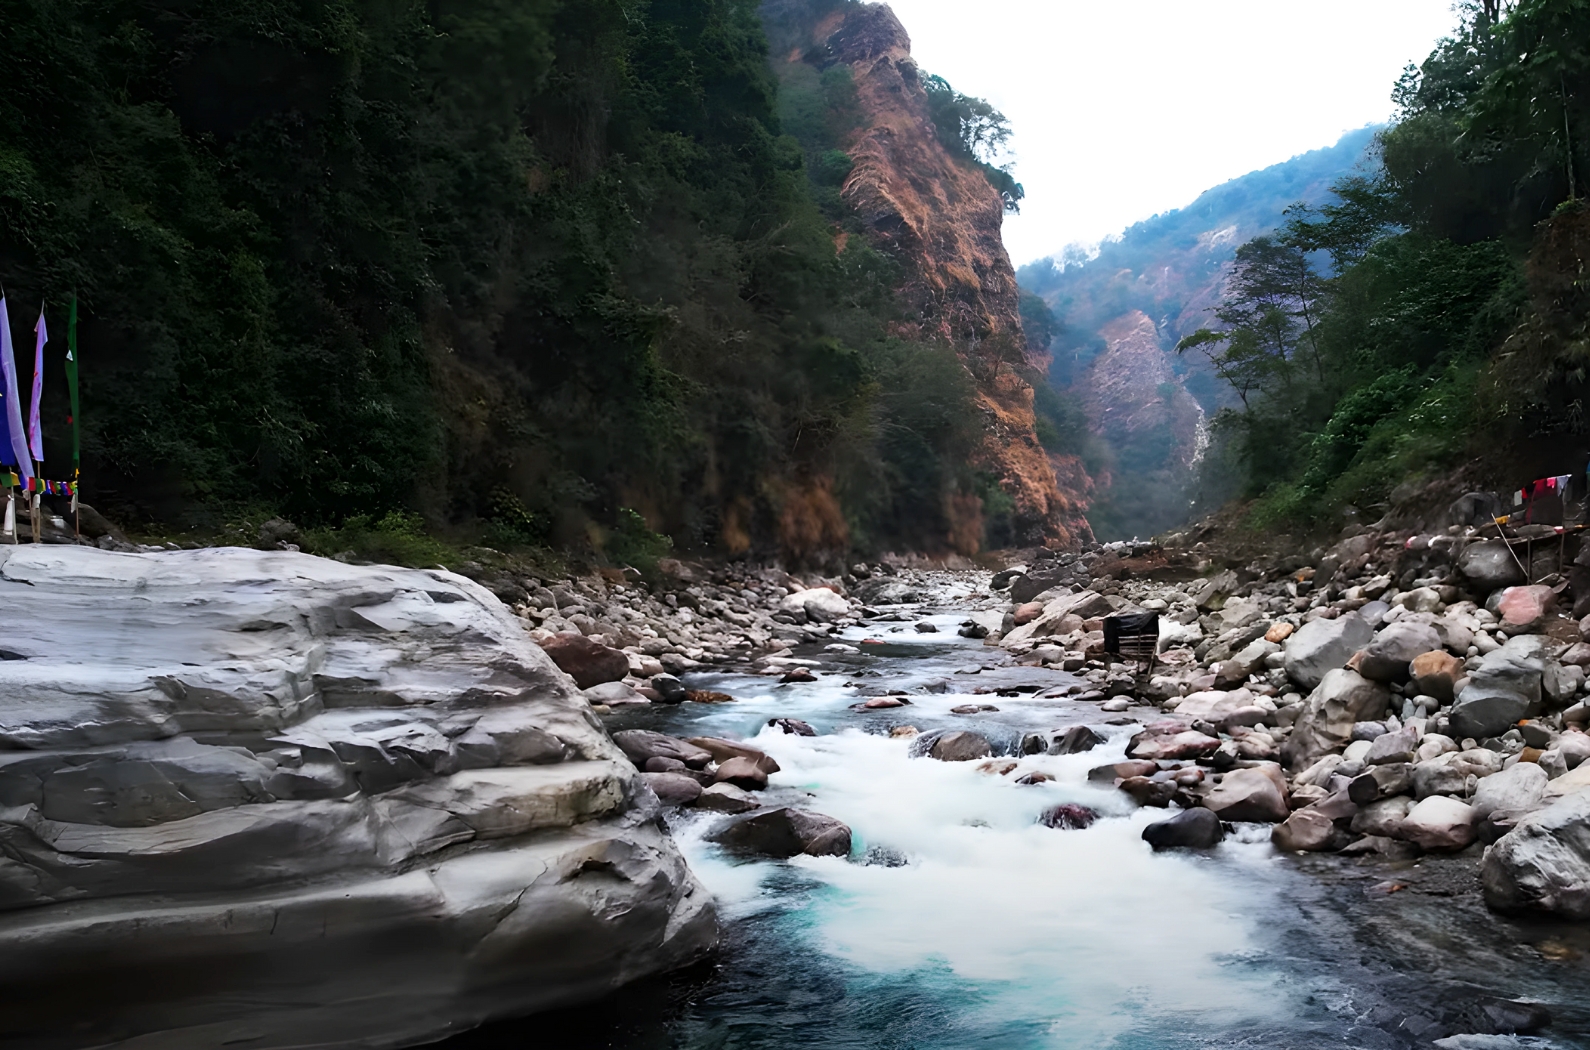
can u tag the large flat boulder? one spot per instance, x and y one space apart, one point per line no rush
316 803
1323 645
1505 688
1342 699
1543 864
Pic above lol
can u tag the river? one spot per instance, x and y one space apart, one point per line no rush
961 922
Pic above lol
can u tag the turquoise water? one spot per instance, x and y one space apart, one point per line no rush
961 922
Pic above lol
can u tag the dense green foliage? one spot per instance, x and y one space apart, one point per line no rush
531 264
1399 327
975 130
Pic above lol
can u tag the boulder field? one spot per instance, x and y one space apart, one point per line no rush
1394 693
275 800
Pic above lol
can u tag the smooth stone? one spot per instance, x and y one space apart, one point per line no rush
1189 829
1516 791
1076 740
1250 795
960 746
588 663
726 798
674 789
786 832
1440 824
1543 863
1322 645
742 773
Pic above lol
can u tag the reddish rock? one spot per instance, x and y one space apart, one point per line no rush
1279 632
742 773
1028 613
1068 817
722 750
1436 673
1523 608
588 663
1159 746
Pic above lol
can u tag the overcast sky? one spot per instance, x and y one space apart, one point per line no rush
1126 108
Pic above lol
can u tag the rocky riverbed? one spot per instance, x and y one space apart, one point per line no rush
1401 703
902 784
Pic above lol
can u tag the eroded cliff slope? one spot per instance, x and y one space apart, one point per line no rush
939 218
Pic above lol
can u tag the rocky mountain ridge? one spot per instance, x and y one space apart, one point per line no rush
940 219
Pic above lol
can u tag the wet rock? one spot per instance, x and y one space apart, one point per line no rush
659 764
1250 795
960 746
786 832
727 798
1488 565
1068 817
1436 673
614 694
1121 770
799 674
1189 829
1504 689
1449 774
670 690
742 773
1440 824
674 789
924 627
1034 777
588 663
792 726
1323 645
1160 744
1308 830
1148 791
707 696
1516 790
642 744
1342 699
723 750
1387 656
1076 740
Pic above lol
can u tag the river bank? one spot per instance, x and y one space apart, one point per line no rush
1362 906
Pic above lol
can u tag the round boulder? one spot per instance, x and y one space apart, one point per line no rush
588 663
786 832
960 746
1189 829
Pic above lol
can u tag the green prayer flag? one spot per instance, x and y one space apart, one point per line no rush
71 386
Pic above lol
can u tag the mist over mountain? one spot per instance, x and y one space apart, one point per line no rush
1156 283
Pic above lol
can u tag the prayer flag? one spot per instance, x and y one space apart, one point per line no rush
71 385
35 430
15 449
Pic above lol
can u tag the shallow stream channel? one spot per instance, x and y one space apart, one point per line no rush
959 920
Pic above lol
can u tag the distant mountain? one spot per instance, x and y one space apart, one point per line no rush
1167 271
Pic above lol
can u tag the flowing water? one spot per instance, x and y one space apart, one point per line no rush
960 921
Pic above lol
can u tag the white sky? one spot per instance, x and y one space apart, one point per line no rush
1126 108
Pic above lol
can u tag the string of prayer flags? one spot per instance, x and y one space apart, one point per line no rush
49 488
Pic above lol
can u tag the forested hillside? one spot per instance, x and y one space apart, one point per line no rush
544 272
1139 418
1443 344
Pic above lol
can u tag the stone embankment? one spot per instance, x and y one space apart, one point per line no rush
275 800
1393 694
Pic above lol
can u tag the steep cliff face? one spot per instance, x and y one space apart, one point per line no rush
939 218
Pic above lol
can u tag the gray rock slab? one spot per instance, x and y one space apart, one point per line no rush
315 803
